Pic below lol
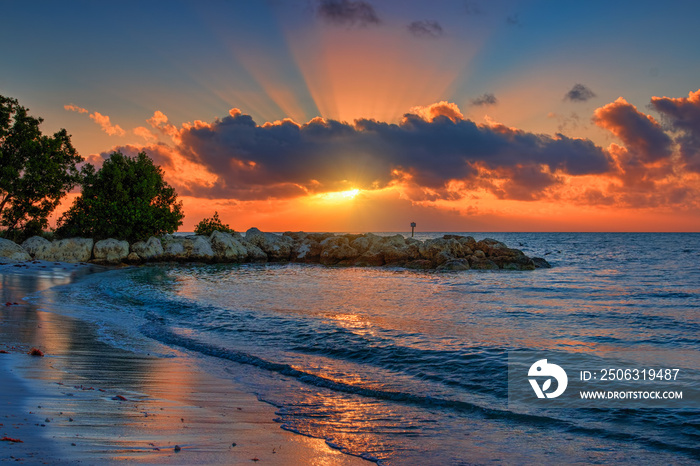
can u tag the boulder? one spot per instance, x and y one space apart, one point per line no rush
133 258
336 250
371 258
477 263
277 247
297 236
541 263
66 250
364 242
467 241
396 250
110 251
12 252
455 265
308 250
510 259
35 242
148 250
187 248
419 264
227 248
489 246
442 250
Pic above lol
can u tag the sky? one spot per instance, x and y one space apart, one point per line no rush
367 115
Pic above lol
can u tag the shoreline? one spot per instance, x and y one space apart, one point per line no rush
91 403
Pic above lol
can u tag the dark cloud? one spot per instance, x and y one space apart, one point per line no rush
348 12
642 134
683 116
579 93
573 121
485 99
327 155
427 28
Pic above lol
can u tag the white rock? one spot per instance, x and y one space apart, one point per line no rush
66 250
110 251
226 247
193 247
148 250
12 252
34 243
276 247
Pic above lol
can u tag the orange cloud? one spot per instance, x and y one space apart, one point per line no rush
641 133
145 133
75 108
443 108
106 124
160 122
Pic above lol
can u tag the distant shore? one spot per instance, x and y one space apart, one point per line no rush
87 402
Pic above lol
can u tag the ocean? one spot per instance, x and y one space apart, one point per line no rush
411 367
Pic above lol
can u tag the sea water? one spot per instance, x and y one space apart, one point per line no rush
410 367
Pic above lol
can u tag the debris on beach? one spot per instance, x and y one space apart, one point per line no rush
35 352
2 351
119 398
10 439
177 449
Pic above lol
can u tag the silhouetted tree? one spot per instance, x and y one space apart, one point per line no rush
36 171
125 199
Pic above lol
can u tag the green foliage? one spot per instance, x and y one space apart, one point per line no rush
36 171
209 225
125 199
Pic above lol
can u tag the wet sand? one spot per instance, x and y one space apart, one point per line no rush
87 402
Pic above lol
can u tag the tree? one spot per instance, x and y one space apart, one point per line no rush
125 199
36 171
209 225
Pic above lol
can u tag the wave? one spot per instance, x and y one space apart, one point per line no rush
157 330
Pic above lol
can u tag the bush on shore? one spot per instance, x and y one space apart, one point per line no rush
209 225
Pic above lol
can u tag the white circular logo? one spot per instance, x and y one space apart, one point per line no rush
543 369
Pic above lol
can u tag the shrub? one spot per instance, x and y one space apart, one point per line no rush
126 199
209 225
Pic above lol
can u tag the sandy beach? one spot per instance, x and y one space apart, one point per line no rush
87 402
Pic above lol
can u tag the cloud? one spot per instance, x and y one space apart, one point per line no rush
485 99
106 124
348 13
145 133
74 108
426 28
579 93
443 108
102 120
573 121
642 134
433 146
683 116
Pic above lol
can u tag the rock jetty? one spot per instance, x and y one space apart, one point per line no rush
451 252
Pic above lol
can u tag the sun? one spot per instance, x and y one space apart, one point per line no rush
340 195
